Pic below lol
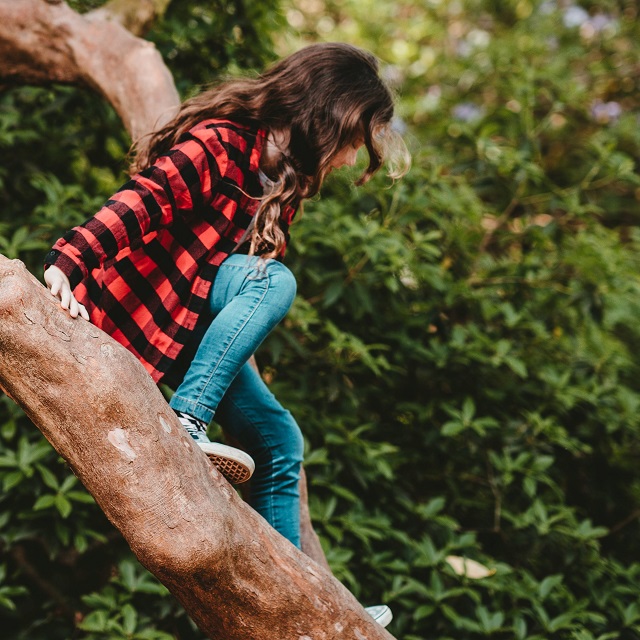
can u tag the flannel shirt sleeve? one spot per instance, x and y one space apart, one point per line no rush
178 182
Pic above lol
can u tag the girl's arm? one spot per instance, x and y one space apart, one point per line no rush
177 183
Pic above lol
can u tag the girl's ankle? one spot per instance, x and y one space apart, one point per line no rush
195 427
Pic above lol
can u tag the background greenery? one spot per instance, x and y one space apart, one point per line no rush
462 352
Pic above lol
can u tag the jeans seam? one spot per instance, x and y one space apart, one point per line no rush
243 324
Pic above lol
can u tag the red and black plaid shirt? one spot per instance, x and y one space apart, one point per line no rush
144 264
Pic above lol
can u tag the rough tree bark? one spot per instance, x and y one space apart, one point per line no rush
44 42
235 576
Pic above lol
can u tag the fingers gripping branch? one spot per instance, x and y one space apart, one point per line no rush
60 288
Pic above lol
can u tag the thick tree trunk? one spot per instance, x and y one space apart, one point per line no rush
236 577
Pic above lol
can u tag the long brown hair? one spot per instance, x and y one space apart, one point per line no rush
325 96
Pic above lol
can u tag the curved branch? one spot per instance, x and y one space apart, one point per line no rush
136 17
43 43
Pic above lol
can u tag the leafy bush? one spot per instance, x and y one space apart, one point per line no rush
469 334
461 355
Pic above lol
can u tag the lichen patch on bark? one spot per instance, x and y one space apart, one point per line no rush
119 439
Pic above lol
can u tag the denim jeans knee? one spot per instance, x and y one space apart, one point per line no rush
248 298
284 281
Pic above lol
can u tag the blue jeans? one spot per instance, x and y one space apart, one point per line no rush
248 298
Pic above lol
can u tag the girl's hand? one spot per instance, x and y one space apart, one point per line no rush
59 286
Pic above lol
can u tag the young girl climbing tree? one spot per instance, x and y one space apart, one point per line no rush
183 265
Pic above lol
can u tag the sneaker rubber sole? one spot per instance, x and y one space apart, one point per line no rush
235 465
381 613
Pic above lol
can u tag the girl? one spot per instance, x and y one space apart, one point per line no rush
183 264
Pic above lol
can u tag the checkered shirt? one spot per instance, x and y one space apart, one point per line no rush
144 264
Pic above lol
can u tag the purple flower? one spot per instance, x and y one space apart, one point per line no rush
399 125
393 75
575 17
600 22
548 7
605 112
467 112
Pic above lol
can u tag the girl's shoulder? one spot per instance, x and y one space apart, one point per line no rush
231 138
228 130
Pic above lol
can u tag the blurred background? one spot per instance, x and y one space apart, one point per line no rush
463 354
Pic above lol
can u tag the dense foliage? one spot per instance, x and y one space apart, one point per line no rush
462 352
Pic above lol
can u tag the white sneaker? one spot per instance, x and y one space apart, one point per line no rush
380 613
235 465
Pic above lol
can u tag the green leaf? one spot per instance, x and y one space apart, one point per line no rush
12 480
95 621
8 461
631 614
80 543
63 505
563 621
432 508
68 482
80 496
452 428
520 628
332 293
130 618
468 410
44 502
517 366
48 477
424 611
128 576
548 584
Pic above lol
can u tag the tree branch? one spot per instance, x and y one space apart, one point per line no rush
42 43
235 575
136 17
308 537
